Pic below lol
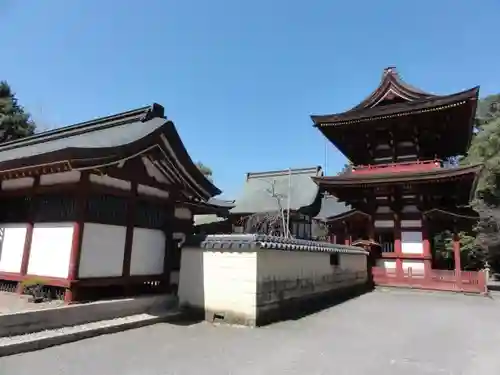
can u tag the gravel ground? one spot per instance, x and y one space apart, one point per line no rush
73 329
381 333
11 303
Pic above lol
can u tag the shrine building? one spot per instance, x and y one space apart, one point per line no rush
98 208
400 191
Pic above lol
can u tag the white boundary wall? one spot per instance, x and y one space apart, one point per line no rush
241 284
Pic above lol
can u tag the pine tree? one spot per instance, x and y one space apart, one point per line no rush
15 123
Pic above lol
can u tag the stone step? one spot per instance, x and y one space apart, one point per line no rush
44 339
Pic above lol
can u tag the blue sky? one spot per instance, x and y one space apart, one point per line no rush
240 78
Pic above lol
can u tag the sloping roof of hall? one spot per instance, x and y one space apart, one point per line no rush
215 206
257 196
207 219
103 142
352 179
330 207
392 98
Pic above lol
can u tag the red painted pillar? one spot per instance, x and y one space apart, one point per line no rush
456 256
426 247
29 233
398 248
76 243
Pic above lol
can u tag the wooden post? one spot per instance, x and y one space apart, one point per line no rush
81 195
456 256
398 249
29 233
371 229
426 246
347 237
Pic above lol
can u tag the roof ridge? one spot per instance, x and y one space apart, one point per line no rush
140 114
285 172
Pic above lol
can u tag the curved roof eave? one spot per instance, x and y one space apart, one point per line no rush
397 177
92 157
395 109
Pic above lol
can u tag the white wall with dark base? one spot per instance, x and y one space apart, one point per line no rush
51 249
102 251
12 239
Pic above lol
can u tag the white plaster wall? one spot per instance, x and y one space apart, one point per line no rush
412 243
102 250
51 249
384 223
219 281
383 210
18 183
417 266
60 178
388 264
230 282
358 263
411 223
12 239
148 252
191 287
411 208
151 191
304 264
223 281
183 213
110 181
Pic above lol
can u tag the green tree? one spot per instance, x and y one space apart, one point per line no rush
14 121
485 149
472 255
206 171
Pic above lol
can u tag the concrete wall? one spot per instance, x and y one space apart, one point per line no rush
250 285
38 320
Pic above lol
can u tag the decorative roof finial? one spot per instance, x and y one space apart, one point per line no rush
389 70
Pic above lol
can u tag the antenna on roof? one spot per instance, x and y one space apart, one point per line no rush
287 229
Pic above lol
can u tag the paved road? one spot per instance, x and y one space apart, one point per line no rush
381 333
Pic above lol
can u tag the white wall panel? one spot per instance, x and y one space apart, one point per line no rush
51 249
148 252
412 243
12 239
103 248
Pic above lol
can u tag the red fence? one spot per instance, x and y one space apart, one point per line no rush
468 281
411 166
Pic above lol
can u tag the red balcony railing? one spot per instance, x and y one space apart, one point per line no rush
467 281
411 166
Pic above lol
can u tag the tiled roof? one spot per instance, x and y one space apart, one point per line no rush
257 196
110 141
330 206
260 241
207 219
110 131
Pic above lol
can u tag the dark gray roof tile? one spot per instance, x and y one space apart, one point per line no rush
257 196
260 241
330 206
